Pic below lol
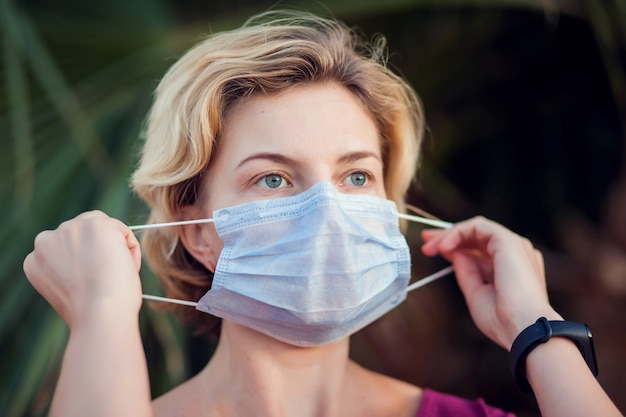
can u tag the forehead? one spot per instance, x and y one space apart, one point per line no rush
310 116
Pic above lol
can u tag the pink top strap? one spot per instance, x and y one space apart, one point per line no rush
437 404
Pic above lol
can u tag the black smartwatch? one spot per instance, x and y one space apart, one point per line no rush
540 332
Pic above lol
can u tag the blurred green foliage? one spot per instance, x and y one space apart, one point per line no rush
526 103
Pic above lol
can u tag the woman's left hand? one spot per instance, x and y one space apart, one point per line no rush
500 273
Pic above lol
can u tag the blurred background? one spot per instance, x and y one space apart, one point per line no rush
525 102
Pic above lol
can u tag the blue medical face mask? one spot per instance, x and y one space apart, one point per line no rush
310 269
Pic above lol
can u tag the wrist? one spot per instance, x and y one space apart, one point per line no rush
540 333
528 319
106 312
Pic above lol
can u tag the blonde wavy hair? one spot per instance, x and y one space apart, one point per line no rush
270 53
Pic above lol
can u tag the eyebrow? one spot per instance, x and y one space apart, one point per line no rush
349 157
357 156
269 156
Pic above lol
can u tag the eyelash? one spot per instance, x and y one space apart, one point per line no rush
265 175
368 179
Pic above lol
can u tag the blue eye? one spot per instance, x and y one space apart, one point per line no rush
358 179
272 181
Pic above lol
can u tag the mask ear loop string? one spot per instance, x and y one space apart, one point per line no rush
168 224
429 222
169 300
430 278
417 219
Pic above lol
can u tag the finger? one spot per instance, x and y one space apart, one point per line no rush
478 231
447 241
133 245
27 265
91 214
431 239
475 233
471 278
428 234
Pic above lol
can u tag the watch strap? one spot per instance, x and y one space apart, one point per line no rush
540 332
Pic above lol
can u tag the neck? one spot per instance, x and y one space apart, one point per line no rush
254 374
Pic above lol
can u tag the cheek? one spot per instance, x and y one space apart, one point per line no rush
381 191
210 235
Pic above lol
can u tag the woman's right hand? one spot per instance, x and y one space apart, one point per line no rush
500 273
87 262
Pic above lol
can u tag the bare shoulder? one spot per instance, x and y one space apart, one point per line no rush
390 396
179 402
368 393
170 404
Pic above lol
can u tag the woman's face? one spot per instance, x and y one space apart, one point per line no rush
281 145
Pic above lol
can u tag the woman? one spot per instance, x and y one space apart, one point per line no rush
294 136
